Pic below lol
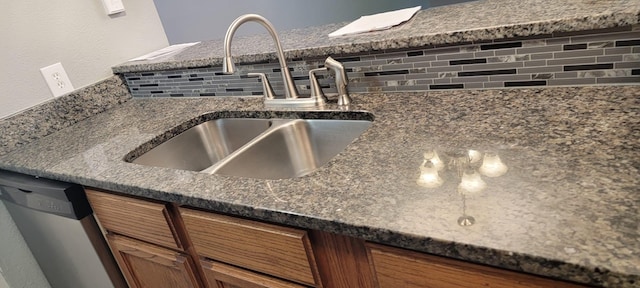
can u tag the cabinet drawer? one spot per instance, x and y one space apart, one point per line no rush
279 251
395 267
220 274
139 219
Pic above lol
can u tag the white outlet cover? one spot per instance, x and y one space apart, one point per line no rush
57 79
113 6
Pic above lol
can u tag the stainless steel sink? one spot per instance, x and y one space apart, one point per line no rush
256 148
205 144
291 148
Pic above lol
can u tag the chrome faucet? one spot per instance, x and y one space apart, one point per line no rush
227 66
292 98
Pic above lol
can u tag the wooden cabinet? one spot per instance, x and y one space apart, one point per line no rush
395 267
226 276
161 245
274 250
147 265
146 240
157 246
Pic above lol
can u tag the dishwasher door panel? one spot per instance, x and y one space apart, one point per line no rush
63 248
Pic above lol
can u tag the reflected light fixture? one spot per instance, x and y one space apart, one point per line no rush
468 166
471 183
429 176
492 166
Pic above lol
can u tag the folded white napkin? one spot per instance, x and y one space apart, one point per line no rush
164 51
375 22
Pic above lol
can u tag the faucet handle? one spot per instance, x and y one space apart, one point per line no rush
266 86
316 90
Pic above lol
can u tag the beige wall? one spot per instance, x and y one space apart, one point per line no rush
79 34
3 283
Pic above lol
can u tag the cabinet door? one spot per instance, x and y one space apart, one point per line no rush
146 265
139 219
225 276
395 267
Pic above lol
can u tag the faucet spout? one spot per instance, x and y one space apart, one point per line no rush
227 66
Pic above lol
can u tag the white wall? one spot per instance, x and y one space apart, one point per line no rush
78 34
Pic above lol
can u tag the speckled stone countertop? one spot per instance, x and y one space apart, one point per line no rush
567 207
440 26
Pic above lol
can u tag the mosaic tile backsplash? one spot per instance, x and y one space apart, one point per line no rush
584 58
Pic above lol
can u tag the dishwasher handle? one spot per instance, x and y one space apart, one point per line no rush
49 196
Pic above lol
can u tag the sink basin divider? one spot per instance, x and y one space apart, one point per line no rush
275 125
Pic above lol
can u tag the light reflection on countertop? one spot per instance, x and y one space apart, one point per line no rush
464 166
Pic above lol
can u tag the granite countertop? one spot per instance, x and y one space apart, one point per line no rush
567 207
476 21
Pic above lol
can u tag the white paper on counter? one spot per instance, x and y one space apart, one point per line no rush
164 51
375 22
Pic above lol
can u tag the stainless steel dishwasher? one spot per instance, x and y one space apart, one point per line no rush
57 224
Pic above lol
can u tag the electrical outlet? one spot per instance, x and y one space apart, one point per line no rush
57 79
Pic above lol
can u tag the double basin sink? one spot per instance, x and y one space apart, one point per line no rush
274 148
